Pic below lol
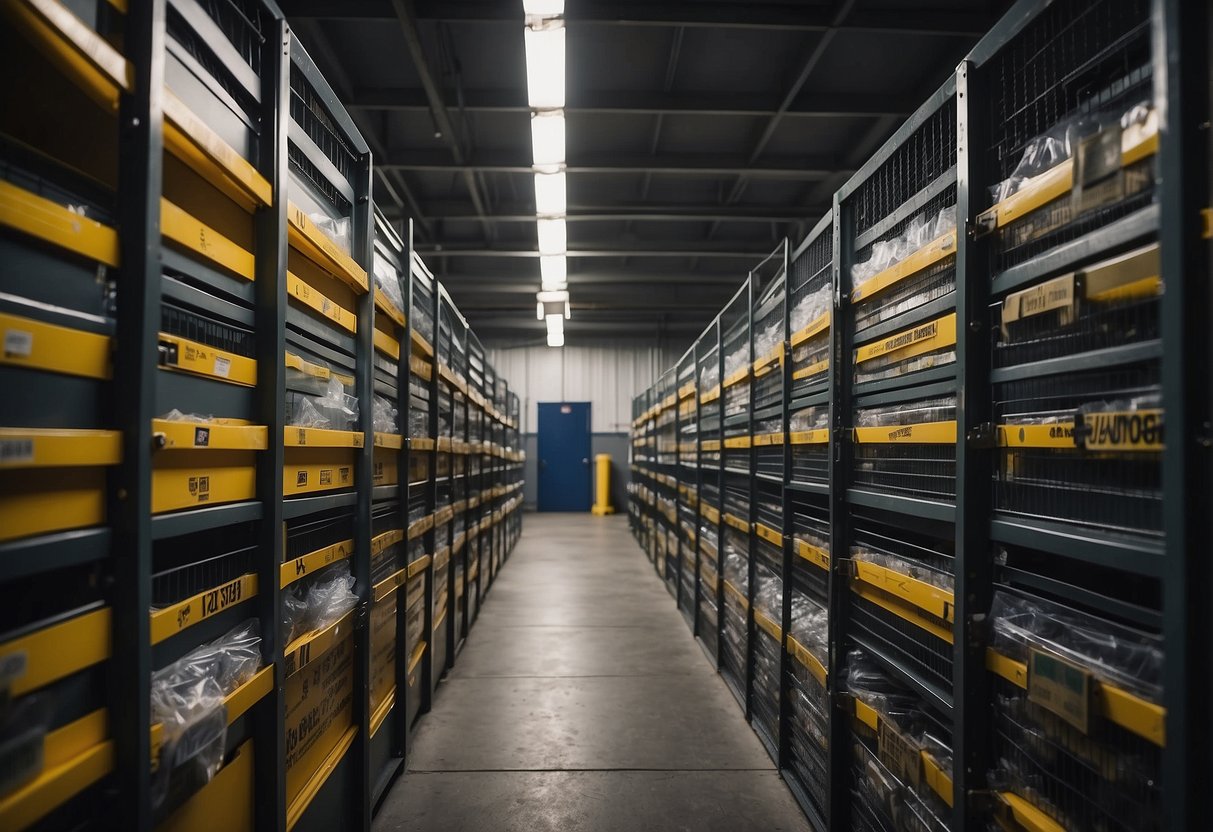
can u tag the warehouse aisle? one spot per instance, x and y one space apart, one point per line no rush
581 702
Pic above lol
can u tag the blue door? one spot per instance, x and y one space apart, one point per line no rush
564 456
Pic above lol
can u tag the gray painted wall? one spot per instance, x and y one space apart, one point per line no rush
615 444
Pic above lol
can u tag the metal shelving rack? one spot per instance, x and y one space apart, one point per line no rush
972 446
208 285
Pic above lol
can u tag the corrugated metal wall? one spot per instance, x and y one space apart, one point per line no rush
607 375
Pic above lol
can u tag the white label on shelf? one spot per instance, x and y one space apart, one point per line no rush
13 452
18 343
223 366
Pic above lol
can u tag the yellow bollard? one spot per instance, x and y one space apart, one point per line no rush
602 498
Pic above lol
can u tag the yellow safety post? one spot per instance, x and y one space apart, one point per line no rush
602 499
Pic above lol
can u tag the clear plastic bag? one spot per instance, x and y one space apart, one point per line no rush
187 702
919 231
388 280
318 605
1115 654
176 415
336 409
337 230
385 417
811 307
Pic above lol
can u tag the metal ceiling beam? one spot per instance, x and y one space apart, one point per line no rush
684 164
735 15
406 18
628 102
523 213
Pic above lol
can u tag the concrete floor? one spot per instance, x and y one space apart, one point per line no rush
581 702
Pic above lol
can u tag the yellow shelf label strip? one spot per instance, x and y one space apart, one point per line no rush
173 619
312 298
308 239
815 327
58 448
386 344
926 597
52 223
927 256
304 565
916 340
880 599
802 655
311 646
82 54
194 235
922 433
35 345
56 652
811 370
54 787
186 356
191 140
216 435
296 437
1139 716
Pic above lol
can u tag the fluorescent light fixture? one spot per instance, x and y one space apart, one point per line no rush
545 66
553 237
554 271
556 339
547 140
543 8
551 303
555 323
550 197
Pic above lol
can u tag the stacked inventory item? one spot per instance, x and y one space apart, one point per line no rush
389 509
449 327
478 570
736 487
61 248
898 253
767 504
686 475
424 646
667 552
901 753
707 359
329 441
810 316
1074 270
513 471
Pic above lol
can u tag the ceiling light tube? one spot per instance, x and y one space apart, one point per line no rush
553 237
543 8
547 141
554 272
545 65
555 323
550 197
556 339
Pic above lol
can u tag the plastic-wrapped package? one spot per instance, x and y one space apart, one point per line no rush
904 566
335 410
337 230
810 626
812 418
768 592
317 606
710 376
736 568
385 418
812 306
1057 144
735 360
919 231
387 279
768 338
187 701
1117 655
942 409
176 415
